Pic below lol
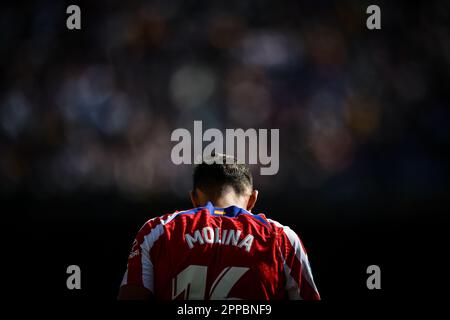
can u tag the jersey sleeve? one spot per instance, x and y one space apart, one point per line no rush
140 266
299 279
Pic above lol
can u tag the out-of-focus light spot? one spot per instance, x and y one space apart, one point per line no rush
326 134
362 116
191 86
180 181
333 153
325 46
95 85
91 98
225 31
248 96
249 104
82 95
267 49
147 29
15 114
323 113
115 115
134 174
141 121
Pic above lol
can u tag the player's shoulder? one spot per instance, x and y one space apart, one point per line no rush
276 224
284 231
166 218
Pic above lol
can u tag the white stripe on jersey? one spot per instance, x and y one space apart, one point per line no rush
146 245
125 277
291 285
299 253
146 262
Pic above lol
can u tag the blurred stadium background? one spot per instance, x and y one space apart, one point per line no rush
86 118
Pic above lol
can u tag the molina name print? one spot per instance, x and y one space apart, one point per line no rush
251 143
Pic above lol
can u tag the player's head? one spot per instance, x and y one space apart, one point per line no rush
224 182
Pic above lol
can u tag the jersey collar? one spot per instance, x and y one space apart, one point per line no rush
231 211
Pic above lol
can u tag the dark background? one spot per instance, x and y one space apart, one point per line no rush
86 118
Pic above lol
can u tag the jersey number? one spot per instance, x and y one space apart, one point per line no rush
192 281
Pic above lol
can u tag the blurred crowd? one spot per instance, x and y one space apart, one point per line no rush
360 111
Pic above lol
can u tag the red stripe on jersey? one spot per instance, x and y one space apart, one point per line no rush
307 292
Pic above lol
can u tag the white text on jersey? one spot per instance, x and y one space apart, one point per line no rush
225 237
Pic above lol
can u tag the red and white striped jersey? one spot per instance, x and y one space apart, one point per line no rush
210 253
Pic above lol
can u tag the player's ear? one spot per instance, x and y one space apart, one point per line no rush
194 199
252 200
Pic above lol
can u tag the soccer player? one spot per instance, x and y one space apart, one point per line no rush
219 249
